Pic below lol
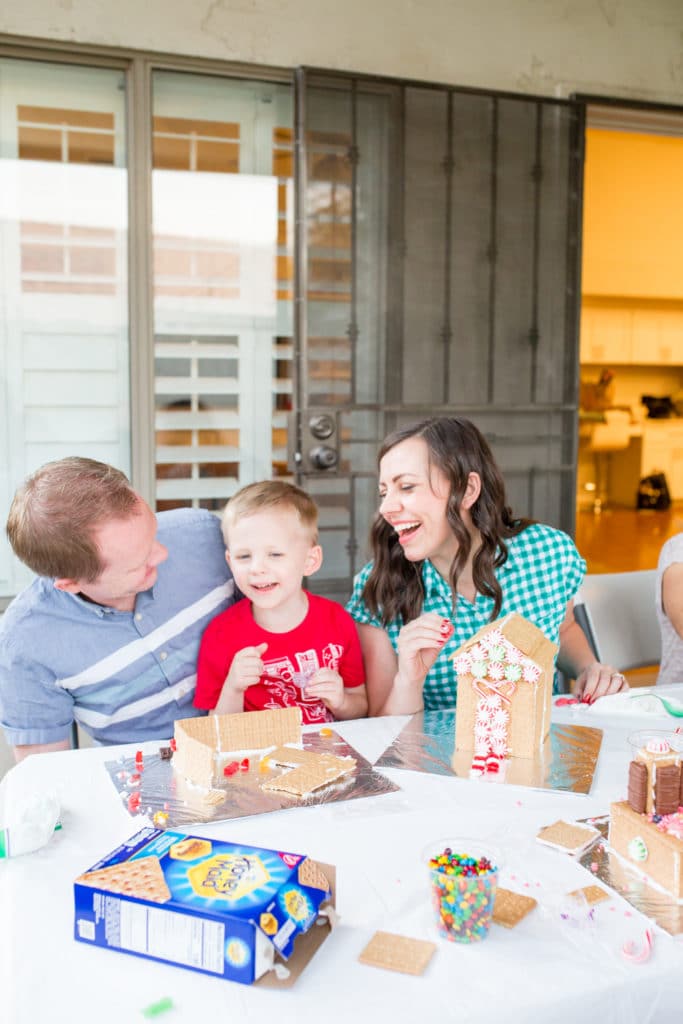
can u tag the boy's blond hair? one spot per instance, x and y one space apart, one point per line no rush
267 495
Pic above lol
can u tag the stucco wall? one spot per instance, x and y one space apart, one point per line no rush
630 48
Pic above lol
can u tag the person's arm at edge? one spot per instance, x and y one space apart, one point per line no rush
576 659
672 595
386 696
23 750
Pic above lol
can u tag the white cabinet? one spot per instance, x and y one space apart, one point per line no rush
635 335
657 336
606 335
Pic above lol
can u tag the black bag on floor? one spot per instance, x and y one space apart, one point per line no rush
653 492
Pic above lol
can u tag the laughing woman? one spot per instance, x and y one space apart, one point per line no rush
449 557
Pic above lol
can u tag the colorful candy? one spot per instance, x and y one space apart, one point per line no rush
463 891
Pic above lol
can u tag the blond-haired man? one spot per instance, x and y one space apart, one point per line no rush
107 634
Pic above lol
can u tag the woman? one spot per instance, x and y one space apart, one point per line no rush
448 558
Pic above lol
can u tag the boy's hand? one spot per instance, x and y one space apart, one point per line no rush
328 686
246 669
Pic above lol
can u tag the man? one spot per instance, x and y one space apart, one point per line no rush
108 633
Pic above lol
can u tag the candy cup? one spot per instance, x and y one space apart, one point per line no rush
655 743
463 876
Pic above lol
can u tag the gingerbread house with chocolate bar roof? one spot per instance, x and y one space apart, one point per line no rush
646 829
505 680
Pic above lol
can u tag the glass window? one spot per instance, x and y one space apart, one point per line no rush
64 341
223 237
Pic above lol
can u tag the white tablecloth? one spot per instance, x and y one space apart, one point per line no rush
545 969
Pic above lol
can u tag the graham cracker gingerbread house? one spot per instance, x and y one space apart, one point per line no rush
647 828
505 680
202 745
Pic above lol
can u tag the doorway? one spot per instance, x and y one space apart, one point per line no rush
631 337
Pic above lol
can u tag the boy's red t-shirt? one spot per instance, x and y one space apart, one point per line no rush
327 638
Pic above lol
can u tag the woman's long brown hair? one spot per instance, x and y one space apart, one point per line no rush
394 587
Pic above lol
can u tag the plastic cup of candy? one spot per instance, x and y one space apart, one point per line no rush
655 742
463 875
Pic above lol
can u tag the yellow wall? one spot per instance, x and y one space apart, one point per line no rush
633 215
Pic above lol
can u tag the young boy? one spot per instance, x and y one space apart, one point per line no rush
280 646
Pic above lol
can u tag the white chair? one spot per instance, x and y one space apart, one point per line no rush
613 435
617 613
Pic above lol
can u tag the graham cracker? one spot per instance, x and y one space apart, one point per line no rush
307 778
664 863
141 878
571 838
294 757
214 797
200 728
290 757
591 893
510 907
397 953
257 730
193 758
311 874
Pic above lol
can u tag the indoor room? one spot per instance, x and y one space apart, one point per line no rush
341 457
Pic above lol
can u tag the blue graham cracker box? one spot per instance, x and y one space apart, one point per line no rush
221 908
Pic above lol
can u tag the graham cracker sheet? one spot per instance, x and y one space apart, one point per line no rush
307 778
311 874
259 730
142 878
194 758
510 907
592 894
398 953
566 762
571 838
169 800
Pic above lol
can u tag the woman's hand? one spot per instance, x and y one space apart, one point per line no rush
419 645
597 680
576 659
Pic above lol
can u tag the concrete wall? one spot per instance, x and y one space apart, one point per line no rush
625 48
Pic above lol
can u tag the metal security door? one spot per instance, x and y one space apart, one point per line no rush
437 272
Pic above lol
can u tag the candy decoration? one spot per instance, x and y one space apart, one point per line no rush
637 850
658 746
231 768
134 803
634 955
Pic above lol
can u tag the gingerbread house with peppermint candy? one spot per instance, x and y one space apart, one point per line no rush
505 682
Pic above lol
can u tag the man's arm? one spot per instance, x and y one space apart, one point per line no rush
24 750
